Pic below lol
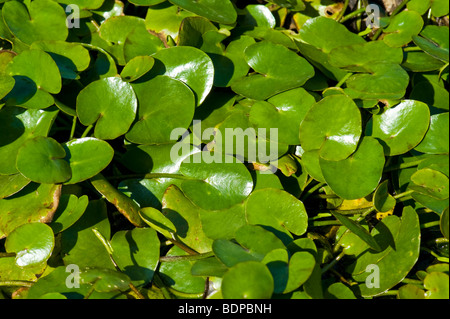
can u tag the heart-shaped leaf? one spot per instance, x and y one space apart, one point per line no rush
337 137
11 184
431 183
45 20
70 209
87 157
33 244
273 78
34 203
400 128
111 103
402 28
189 65
42 160
277 210
358 175
435 141
159 99
221 11
248 280
382 200
434 41
437 285
137 253
30 79
136 68
284 111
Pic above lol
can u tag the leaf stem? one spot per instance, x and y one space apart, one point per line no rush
341 14
311 191
333 262
186 258
184 295
430 224
74 125
404 194
16 283
402 166
343 80
87 130
353 14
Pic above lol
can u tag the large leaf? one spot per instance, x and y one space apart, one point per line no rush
221 11
273 78
111 103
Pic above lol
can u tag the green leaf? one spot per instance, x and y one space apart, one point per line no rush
402 28
45 20
34 203
158 221
401 242
87 157
272 78
11 184
30 79
136 68
358 175
434 41
70 209
189 65
84 4
42 160
443 223
400 128
336 137
33 244
214 10
137 253
248 280
159 99
435 140
111 103
358 230
105 280
382 200
278 211
437 285
431 183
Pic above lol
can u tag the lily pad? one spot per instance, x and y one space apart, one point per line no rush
284 111
437 285
248 280
105 280
11 184
33 244
404 245
221 11
333 126
44 20
400 128
34 203
435 141
443 223
84 4
39 84
137 253
402 28
159 99
70 209
6 85
158 221
111 103
136 68
189 65
431 183
215 185
71 58
42 160
273 78
382 200
277 210
358 175
87 157
140 43
434 41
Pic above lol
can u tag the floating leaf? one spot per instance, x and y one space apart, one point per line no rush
431 183
34 203
273 78
277 210
45 20
215 10
358 175
42 160
437 285
159 99
248 280
435 140
87 157
70 209
11 184
434 41
400 128
105 280
111 103
444 223
136 253
402 28
336 136
136 68
33 244
382 200
188 65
